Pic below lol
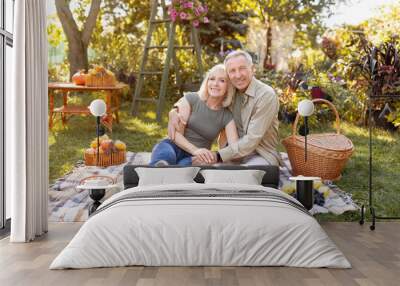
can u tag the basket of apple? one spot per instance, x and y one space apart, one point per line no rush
100 76
110 152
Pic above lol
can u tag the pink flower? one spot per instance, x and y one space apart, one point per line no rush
173 14
188 5
183 15
191 10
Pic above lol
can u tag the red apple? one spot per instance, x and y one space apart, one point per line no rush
107 145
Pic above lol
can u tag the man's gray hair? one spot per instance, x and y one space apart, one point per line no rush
239 53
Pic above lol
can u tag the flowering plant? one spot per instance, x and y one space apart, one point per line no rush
188 10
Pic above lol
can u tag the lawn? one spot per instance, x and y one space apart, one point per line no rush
66 146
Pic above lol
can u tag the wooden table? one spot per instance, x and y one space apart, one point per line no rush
112 93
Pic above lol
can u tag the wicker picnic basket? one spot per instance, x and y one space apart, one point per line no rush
105 160
327 153
100 77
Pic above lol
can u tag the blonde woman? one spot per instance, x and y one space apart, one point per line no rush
204 114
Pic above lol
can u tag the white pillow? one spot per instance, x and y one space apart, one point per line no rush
248 177
166 176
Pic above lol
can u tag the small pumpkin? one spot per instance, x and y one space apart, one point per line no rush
79 78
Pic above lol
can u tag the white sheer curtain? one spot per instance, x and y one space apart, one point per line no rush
26 121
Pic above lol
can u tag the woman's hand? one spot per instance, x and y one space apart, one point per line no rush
222 140
196 161
174 124
205 155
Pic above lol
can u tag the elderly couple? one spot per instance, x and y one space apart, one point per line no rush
231 105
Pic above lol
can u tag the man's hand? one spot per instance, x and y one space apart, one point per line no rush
196 160
204 156
175 123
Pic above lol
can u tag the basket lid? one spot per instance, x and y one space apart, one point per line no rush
328 141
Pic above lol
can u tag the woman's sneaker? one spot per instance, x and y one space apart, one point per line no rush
161 163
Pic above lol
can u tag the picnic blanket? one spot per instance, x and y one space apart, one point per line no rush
69 204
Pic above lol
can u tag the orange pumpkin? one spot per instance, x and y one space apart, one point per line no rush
79 78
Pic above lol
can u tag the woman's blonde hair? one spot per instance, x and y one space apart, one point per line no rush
230 91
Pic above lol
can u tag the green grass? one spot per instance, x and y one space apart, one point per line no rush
67 144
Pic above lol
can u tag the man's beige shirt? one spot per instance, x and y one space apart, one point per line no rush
259 115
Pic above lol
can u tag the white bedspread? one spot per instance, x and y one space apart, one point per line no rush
182 231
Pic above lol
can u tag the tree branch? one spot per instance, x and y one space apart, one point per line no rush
67 19
261 5
90 21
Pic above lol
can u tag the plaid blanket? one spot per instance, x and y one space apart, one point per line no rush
69 204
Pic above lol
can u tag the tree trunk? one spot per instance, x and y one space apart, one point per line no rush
78 41
267 59
77 56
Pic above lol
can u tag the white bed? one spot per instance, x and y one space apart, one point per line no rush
225 225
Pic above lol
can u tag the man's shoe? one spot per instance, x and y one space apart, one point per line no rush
161 163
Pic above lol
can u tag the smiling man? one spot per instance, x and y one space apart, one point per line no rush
255 110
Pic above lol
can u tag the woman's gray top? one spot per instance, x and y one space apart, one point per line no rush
204 124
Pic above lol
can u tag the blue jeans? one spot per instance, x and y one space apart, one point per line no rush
168 151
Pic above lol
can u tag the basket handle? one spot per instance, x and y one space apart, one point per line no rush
110 179
322 101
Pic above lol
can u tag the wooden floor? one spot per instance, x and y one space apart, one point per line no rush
375 257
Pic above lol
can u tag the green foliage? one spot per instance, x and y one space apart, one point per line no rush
118 40
369 60
81 12
307 16
227 27
317 71
345 87
55 34
394 116
385 25
58 72
119 34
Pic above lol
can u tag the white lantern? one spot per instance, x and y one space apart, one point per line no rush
98 107
305 107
